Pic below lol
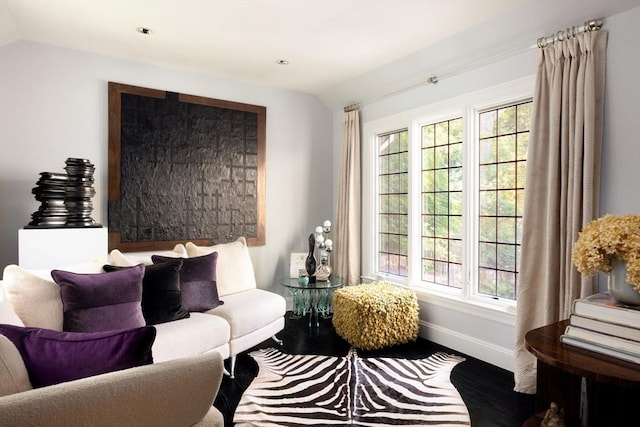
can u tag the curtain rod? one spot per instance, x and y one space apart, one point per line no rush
589 25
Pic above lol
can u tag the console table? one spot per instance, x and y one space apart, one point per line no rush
313 298
612 385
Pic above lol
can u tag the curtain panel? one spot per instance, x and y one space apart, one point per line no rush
348 216
561 186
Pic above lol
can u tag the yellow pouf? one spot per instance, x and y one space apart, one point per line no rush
375 315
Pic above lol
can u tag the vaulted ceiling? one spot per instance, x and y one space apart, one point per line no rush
327 43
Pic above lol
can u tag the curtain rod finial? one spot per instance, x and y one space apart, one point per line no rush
593 25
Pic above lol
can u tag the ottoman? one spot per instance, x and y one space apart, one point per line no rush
375 315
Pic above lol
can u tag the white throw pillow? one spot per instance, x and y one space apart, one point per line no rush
8 315
234 270
35 297
119 259
14 377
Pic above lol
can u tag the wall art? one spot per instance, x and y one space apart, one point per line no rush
183 168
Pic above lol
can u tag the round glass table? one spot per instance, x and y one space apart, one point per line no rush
313 298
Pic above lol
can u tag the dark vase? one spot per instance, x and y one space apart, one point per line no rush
310 262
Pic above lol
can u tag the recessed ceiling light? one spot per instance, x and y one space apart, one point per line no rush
144 30
282 62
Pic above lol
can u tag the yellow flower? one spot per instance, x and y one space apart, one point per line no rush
608 238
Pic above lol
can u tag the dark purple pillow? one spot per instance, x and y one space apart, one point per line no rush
101 302
161 296
53 357
197 281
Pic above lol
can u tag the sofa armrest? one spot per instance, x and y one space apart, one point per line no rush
174 393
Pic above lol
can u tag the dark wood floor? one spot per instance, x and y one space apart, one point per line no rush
486 390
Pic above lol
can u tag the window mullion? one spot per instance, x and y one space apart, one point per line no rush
415 204
470 203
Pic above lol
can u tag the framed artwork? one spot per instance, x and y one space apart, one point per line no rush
183 168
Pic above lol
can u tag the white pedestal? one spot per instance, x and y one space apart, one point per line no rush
47 248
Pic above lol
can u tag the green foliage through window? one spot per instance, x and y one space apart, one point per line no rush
504 137
442 249
393 199
495 213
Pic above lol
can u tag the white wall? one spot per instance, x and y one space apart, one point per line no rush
474 330
620 189
53 105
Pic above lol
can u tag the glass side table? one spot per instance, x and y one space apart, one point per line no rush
313 298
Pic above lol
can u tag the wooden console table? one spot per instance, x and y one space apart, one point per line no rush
613 385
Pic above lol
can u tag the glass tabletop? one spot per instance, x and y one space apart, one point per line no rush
292 282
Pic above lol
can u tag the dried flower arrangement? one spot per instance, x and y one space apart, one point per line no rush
607 238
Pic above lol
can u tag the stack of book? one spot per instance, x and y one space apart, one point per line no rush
598 323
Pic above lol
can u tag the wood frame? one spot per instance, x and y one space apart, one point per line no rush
115 92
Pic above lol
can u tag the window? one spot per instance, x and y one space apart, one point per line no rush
447 196
503 139
393 199
442 250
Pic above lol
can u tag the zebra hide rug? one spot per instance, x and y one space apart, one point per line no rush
301 390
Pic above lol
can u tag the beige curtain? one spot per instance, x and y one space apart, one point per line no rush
348 217
561 188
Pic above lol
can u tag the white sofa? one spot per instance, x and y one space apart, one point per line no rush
173 393
248 316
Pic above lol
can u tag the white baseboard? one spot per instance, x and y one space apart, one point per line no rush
487 352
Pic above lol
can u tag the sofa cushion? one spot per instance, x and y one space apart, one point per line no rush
234 268
197 281
161 296
197 334
35 297
52 357
250 310
14 377
101 302
130 259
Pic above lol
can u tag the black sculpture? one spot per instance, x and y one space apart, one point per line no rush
79 192
310 262
50 192
65 198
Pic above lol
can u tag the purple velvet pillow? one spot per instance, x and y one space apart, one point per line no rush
53 357
197 281
161 297
101 302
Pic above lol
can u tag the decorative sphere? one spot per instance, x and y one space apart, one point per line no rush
327 223
318 230
320 239
329 243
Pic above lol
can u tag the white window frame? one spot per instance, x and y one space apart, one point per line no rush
466 106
